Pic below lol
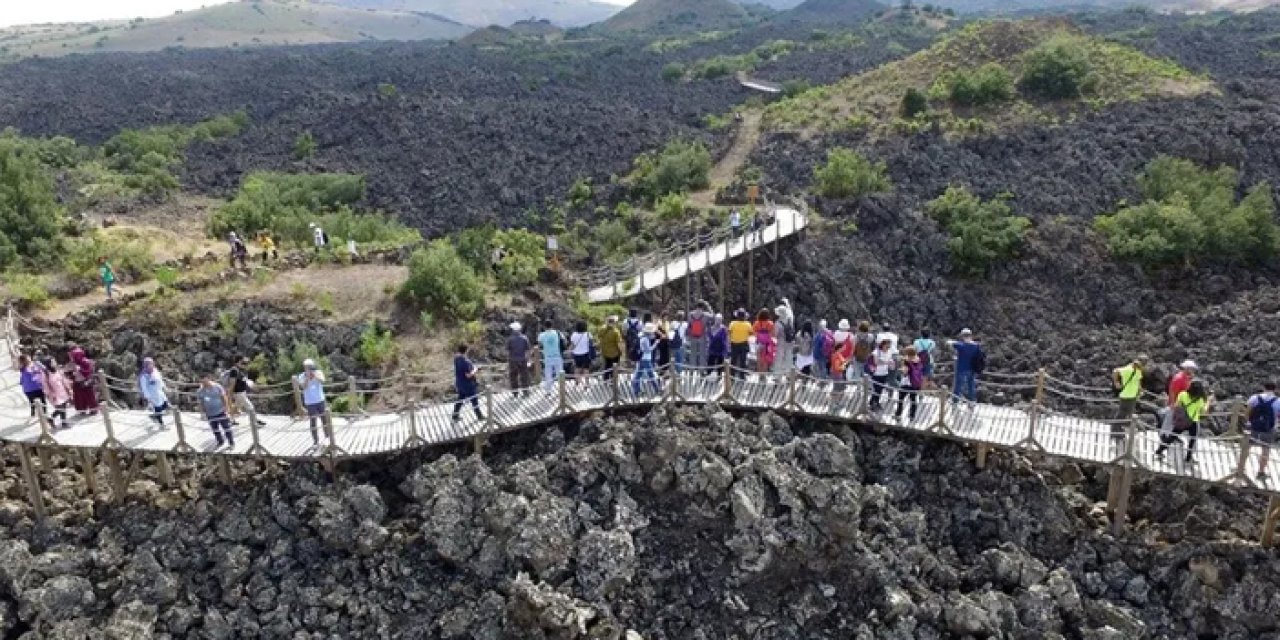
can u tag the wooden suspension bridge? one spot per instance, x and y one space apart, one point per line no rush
1034 430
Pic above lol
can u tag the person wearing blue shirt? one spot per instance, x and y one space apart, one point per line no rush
644 368
552 358
1264 413
968 354
466 384
926 348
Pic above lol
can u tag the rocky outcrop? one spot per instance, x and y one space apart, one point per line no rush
684 523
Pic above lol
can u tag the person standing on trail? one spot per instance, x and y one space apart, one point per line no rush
552 360
214 403
32 377
241 384
611 346
311 382
678 341
824 342
1127 381
1264 410
804 349
1188 408
766 344
631 330
739 342
735 223
57 391
268 247
84 395
913 381
785 323
757 227
466 384
842 352
717 345
886 333
154 391
664 340
517 359
318 237
108 276
883 363
926 350
1182 380
864 348
239 252
696 335
970 361
644 366
582 348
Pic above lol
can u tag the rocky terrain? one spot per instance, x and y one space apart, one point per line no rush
682 524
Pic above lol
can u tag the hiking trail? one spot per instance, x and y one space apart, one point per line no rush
745 139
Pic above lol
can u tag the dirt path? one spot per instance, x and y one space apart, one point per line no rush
60 308
745 139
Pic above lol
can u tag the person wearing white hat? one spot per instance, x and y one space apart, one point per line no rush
970 361
518 360
841 352
1182 380
644 367
311 383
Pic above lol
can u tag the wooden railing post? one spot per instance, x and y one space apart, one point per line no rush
298 410
353 391
944 399
727 395
415 438
1270 521
864 392
1241 476
34 493
1126 477
182 446
614 389
90 472
257 449
563 408
1236 411
791 404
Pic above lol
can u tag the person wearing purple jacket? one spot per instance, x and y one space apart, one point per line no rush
717 344
32 379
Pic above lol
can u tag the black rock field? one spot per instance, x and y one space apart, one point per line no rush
683 523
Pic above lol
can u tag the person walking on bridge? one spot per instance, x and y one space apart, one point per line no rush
1264 411
57 390
549 341
154 391
644 367
926 350
1128 383
717 345
913 380
766 341
970 361
612 346
214 404
804 349
311 383
824 342
679 341
32 379
517 360
1188 409
466 383
739 342
1182 380
696 332
84 393
582 346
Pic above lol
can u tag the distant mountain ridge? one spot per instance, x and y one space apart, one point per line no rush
1012 6
675 16
482 13
842 11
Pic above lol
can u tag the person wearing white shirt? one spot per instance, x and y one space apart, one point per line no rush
679 341
886 333
883 364
580 346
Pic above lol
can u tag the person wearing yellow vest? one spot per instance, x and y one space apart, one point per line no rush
1187 411
739 341
1128 383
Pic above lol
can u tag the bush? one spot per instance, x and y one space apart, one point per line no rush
288 362
914 103
673 72
30 220
672 207
982 233
442 283
987 84
1190 216
1056 70
849 175
525 257
681 166
128 255
475 246
377 348
27 288
304 146
795 87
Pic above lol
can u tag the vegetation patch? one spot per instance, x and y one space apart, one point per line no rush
983 233
442 283
680 166
1000 72
849 175
1190 215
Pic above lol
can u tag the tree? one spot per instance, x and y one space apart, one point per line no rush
441 283
673 72
525 256
987 84
30 220
304 146
671 207
914 103
849 175
982 233
680 166
1057 70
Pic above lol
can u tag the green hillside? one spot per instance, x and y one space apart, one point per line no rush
676 16
480 13
989 75
238 24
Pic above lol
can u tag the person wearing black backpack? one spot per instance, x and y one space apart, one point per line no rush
631 335
1263 410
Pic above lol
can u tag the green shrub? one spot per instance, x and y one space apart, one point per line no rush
525 257
988 84
288 362
377 348
795 87
30 219
147 156
673 72
1057 70
227 324
387 90
304 146
849 175
982 233
580 193
131 256
166 277
914 103
27 288
475 246
672 207
442 283
1190 215
680 166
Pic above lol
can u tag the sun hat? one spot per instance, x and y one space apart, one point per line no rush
516 326
844 324
612 320
966 332
308 364
1188 364
651 328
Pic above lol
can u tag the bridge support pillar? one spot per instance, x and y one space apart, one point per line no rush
165 472
90 472
1124 479
983 450
1270 522
115 473
751 280
34 493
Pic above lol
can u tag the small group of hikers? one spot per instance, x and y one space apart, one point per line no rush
240 250
701 341
51 388
762 220
1187 403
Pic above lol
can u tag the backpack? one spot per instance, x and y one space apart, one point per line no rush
697 327
1262 418
564 343
1181 420
788 332
979 361
677 337
866 344
631 336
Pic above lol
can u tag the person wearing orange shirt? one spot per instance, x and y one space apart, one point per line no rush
766 345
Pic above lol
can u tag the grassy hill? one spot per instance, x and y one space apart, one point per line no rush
479 13
242 24
676 16
523 32
837 11
977 79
